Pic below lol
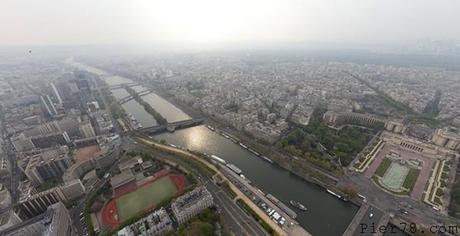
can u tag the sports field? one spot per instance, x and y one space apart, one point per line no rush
142 197
145 197
394 177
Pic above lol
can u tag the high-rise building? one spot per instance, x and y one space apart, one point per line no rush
42 167
86 129
46 105
56 93
55 221
49 127
49 105
35 204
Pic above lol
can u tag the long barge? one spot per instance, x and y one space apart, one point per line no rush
234 168
234 140
337 195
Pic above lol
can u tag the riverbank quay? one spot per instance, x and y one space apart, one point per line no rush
294 165
295 229
324 209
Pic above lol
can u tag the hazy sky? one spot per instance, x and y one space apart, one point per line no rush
48 22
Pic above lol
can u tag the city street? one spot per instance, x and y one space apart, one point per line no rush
76 211
393 204
236 219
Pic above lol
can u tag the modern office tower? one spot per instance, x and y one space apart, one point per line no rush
46 166
55 221
49 105
86 129
33 205
56 93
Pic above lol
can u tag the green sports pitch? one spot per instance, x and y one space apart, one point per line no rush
145 197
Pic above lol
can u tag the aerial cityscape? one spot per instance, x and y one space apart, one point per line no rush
211 128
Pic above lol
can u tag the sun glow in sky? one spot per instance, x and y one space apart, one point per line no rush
225 21
210 20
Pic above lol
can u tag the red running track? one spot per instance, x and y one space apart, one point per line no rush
110 213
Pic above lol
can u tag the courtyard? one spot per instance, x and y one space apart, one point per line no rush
400 172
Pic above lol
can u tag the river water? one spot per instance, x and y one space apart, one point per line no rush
326 214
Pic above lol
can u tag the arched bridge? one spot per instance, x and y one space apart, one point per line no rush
129 97
171 127
118 86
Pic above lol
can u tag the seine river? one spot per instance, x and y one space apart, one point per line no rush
326 214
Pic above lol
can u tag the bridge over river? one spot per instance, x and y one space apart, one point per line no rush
118 86
129 97
170 127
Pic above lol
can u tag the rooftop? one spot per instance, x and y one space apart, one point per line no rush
122 178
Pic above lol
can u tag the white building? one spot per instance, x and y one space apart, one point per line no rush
86 129
191 203
157 223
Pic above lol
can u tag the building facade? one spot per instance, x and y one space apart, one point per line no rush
342 118
55 221
86 129
446 138
191 203
157 223
35 204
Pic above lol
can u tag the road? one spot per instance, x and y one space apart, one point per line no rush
76 211
236 219
79 208
418 212
14 173
369 222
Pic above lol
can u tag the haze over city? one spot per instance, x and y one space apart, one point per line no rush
179 22
224 118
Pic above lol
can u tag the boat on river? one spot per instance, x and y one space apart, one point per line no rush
337 195
298 205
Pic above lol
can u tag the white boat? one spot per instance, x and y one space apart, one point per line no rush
218 159
336 194
267 159
234 168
